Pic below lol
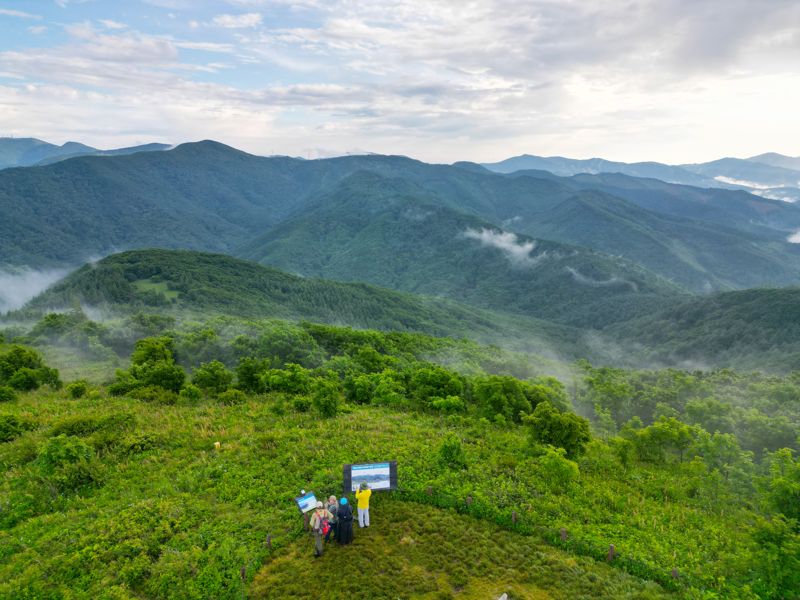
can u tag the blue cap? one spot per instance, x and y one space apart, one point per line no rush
343 501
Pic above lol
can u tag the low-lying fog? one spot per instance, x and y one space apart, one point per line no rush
17 287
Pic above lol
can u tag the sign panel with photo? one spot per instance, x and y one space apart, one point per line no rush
379 476
307 502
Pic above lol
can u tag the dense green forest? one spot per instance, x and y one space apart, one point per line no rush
208 196
113 486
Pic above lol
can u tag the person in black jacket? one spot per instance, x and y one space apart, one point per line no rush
345 520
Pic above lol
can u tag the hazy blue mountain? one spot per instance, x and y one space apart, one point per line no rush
770 179
746 173
154 147
392 233
559 165
23 152
772 219
777 160
26 152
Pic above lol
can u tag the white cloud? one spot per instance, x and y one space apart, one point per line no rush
242 21
37 29
110 24
7 12
794 238
614 280
518 253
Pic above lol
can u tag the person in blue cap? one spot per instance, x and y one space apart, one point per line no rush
345 518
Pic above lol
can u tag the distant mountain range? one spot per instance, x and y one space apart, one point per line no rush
26 152
207 196
769 175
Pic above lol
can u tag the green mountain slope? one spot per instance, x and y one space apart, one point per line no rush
390 233
196 283
757 328
23 152
697 255
208 196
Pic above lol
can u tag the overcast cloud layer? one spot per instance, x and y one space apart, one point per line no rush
670 80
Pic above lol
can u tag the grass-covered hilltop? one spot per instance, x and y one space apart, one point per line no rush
511 480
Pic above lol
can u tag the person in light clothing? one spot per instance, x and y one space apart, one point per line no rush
320 524
362 495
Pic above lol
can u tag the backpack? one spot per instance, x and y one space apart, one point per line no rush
323 525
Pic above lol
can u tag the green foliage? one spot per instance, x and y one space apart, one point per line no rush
10 428
77 389
325 397
7 393
432 381
191 393
775 558
292 379
232 397
68 463
152 366
212 377
448 405
557 470
451 453
784 484
563 430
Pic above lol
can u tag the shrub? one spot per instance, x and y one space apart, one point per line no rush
556 469
165 375
191 393
10 428
75 426
24 380
301 403
451 453
68 463
155 394
293 379
7 393
77 389
325 397
449 405
563 430
212 377
232 397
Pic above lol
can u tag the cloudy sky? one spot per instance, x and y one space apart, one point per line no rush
669 80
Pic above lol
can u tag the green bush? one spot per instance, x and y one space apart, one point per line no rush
68 463
301 404
325 397
24 379
212 377
232 397
7 393
77 389
451 453
191 393
449 405
563 430
10 428
154 394
557 470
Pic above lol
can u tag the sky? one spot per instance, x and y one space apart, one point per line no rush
669 80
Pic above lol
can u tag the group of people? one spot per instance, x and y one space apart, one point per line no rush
336 519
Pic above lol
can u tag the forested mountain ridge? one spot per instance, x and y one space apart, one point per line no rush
749 329
385 231
207 196
201 284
